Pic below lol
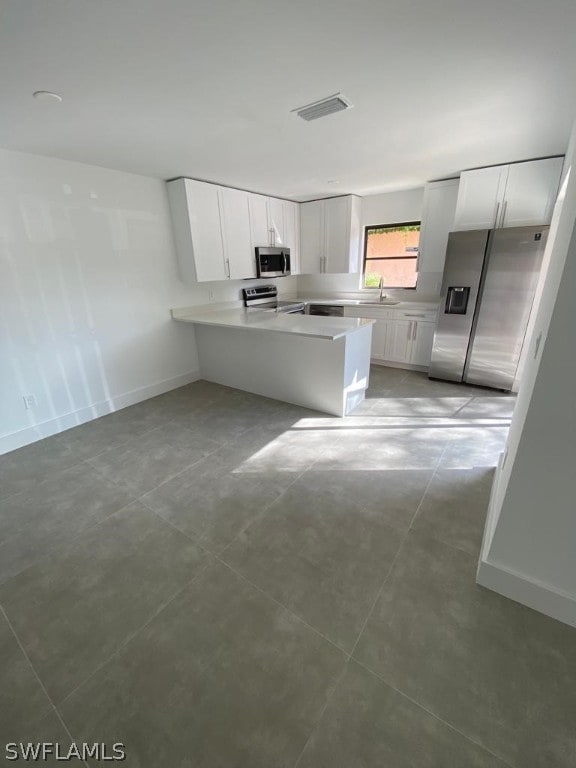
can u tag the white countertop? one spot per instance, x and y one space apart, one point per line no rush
330 328
374 304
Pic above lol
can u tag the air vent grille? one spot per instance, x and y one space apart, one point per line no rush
324 107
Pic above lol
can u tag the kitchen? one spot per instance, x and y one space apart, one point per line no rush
230 536
223 229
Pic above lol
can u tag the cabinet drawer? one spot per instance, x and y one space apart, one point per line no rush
416 314
372 313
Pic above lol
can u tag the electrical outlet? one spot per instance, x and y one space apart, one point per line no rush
29 401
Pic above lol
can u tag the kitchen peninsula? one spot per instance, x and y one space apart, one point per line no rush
316 362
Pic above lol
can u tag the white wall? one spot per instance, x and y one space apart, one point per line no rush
530 540
88 275
389 208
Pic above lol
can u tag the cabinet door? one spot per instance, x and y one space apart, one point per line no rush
531 192
422 342
258 206
204 215
380 331
292 233
236 235
276 221
437 222
480 198
400 341
337 234
311 238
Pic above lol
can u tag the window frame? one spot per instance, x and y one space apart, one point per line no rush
388 258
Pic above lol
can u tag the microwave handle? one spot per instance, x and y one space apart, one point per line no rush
284 267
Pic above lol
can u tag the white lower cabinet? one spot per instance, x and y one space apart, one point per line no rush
380 331
400 346
400 337
423 339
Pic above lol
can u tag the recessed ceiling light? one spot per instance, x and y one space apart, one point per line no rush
46 96
333 181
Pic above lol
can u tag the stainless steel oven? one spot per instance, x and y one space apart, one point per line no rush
273 262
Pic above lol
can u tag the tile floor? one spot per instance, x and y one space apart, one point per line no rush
218 580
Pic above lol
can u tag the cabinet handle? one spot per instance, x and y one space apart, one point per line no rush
321 260
409 331
496 214
413 314
227 262
414 331
503 212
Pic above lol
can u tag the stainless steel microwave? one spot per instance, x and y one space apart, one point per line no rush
273 262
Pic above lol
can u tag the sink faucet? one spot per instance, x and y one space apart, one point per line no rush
381 286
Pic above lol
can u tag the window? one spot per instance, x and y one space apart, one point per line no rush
391 253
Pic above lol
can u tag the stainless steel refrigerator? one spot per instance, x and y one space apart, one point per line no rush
488 288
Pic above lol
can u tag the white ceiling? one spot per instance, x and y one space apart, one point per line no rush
204 88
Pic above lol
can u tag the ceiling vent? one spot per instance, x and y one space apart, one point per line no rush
324 107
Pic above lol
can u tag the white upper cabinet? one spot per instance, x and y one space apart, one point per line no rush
258 206
337 238
516 195
276 222
311 237
195 208
437 222
480 197
216 229
330 235
235 220
292 233
531 192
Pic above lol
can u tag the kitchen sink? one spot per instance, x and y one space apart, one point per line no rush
384 303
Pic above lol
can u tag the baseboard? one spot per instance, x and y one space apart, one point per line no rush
519 587
68 420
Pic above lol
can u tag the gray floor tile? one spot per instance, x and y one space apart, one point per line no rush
227 422
21 469
129 424
22 699
212 503
399 405
498 672
156 457
72 610
392 495
27 738
489 407
474 446
283 450
222 677
52 513
455 506
320 554
373 448
367 724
